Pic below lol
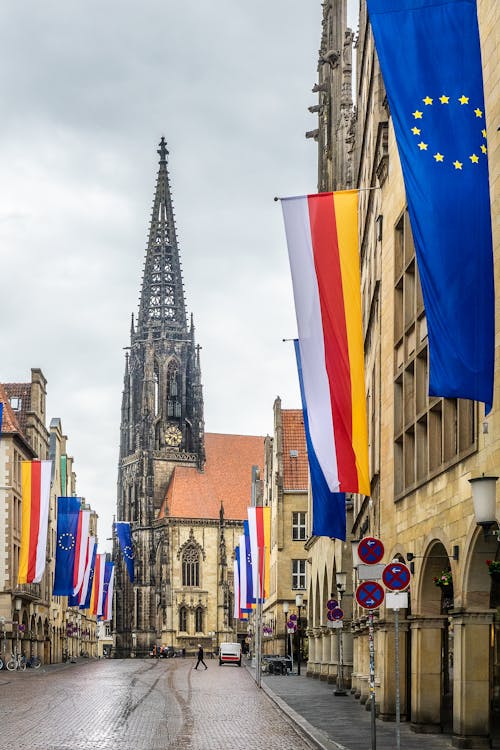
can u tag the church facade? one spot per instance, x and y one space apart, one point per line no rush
184 492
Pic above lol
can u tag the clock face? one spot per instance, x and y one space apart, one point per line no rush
173 436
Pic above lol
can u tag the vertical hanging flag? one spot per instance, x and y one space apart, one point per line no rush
81 549
236 572
430 58
259 525
68 514
88 579
107 604
322 239
123 532
97 597
328 508
64 475
35 488
250 599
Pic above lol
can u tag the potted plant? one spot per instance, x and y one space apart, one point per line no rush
444 579
494 568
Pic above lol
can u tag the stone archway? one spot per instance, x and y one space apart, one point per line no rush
477 628
432 638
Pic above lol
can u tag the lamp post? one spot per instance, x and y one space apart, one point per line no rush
341 580
285 612
484 501
298 603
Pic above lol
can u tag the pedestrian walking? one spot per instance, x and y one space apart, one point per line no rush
200 657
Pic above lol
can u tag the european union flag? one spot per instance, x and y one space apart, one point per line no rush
68 510
328 508
124 535
430 57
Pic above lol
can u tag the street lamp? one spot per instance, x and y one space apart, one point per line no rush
484 501
285 612
298 604
341 580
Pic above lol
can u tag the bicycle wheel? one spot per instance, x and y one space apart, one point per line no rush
1 664
22 665
36 663
11 665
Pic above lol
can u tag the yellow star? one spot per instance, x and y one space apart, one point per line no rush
415 131
427 100
478 112
422 146
483 132
444 99
484 149
474 158
464 99
457 164
438 156
417 115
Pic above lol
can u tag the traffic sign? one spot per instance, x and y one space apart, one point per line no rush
293 617
369 595
396 576
332 603
370 550
337 613
291 625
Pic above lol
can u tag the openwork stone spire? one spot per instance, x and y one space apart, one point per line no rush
162 306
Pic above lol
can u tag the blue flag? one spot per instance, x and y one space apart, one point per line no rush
68 509
86 603
328 508
430 59
249 570
125 538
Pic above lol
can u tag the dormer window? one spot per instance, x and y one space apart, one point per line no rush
15 402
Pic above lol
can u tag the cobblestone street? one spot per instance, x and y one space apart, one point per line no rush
139 705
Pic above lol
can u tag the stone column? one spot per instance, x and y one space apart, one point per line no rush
471 672
426 673
312 653
325 654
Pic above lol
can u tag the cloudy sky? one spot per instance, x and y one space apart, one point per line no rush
86 92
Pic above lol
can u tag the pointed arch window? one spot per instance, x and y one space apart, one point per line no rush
173 403
191 567
199 619
183 619
157 389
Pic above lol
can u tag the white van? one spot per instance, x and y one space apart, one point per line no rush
230 653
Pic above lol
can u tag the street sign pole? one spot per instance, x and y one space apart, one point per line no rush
372 680
396 659
340 681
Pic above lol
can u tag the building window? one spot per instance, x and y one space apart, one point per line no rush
191 567
15 402
299 526
183 619
198 618
430 433
298 574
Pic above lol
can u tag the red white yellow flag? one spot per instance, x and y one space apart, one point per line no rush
35 488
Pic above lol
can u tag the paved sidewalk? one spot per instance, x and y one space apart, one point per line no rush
340 722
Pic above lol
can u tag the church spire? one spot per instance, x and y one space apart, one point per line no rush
162 307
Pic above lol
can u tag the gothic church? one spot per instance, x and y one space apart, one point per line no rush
185 492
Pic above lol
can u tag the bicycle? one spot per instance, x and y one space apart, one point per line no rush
18 661
34 662
1 663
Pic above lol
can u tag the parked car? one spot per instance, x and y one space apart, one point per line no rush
230 653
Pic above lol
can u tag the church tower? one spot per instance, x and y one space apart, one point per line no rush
161 419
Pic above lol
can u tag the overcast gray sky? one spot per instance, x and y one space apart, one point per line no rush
86 92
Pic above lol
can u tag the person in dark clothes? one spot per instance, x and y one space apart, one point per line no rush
200 657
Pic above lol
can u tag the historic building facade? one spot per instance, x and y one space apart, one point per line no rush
32 620
286 492
423 451
184 492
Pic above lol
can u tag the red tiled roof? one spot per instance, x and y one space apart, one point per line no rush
9 421
23 392
295 466
227 477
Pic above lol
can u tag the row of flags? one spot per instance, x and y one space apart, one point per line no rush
437 108
252 562
81 574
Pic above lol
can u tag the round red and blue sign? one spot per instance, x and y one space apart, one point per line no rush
332 604
396 576
370 595
370 550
